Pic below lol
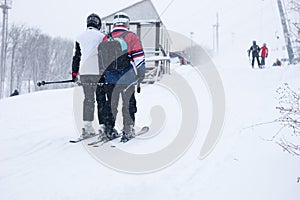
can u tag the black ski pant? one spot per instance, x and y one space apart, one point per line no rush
257 58
108 99
89 84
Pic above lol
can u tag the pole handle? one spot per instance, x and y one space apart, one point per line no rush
138 87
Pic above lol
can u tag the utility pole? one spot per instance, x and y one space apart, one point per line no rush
4 6
216 36
286 33
191 51
191 34
295 6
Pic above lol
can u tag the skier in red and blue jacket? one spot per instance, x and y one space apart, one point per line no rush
122 82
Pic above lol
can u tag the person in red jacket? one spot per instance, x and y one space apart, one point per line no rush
264 54
121 82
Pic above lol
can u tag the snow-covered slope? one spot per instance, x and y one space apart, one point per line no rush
37 162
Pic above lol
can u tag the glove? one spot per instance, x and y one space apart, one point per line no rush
74 76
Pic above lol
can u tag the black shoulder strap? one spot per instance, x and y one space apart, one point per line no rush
110 37
123 34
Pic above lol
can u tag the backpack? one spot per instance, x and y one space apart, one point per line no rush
113 53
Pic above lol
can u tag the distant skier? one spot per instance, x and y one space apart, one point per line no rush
15 93
254 50
85 64
264 54
277 63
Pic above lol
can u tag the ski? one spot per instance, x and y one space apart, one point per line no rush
103 140
144 130
81 139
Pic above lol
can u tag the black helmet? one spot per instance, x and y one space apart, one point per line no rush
254 42
93 20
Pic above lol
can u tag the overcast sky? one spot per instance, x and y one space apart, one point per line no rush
66 18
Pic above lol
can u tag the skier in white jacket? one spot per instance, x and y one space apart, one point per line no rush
85 64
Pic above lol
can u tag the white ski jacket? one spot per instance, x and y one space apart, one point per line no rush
88 43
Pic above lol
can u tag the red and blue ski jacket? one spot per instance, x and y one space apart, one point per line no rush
137 66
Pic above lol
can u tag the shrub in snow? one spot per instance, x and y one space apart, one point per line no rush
289 109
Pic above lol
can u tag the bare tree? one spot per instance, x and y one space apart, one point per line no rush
289 108
60 62
34 56
22 57
288 135
14 39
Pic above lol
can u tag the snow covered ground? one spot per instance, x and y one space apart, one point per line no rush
37 162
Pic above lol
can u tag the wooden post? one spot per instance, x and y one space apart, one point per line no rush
157 38
138 30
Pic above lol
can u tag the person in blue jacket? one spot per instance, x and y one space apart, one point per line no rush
122 83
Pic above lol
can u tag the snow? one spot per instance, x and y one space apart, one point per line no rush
37 161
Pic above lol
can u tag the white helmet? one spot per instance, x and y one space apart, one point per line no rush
121 18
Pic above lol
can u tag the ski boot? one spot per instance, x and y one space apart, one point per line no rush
128 134
102 135
111 133
88 130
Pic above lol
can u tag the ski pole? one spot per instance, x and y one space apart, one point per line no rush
39 84
138 86
129 86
